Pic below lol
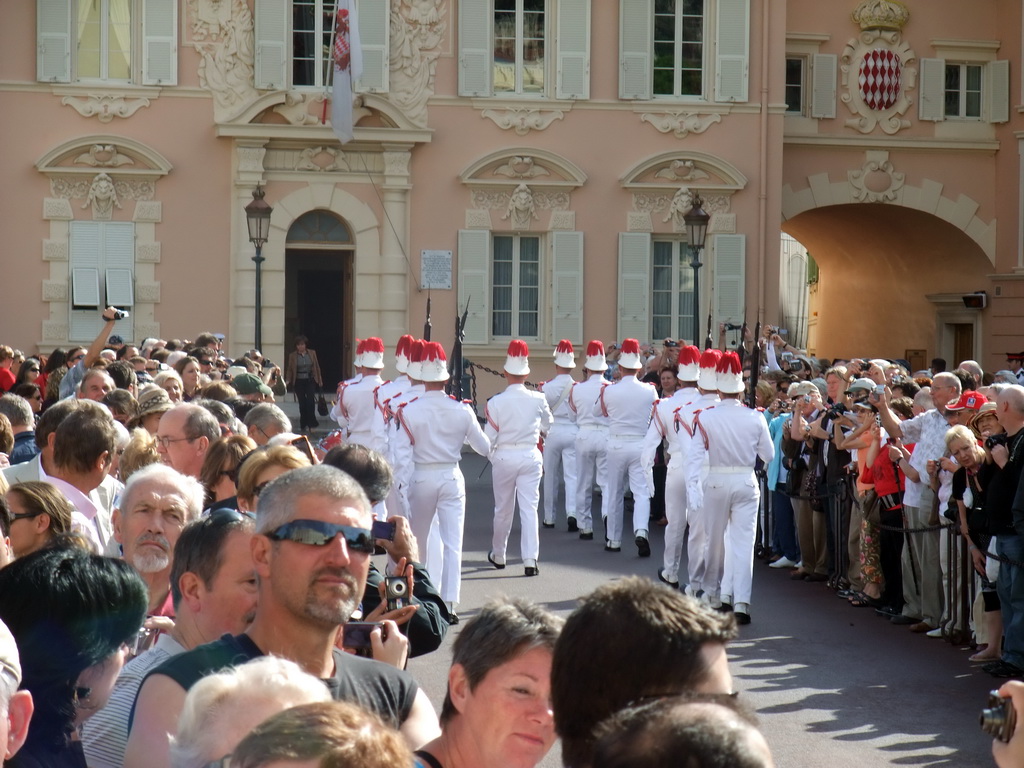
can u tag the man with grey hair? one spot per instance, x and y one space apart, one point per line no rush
185 434
266 420
156 505
922 589
19 412
15 706
311 552
973 368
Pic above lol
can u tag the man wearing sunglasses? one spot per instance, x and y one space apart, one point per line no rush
311 553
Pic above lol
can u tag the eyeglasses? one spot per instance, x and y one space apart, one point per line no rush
319 534
164 442
26 515
206 362
227 515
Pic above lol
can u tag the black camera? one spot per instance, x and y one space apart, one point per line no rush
120 314
356 636
993 440
732 327
999 718
836 410
396 592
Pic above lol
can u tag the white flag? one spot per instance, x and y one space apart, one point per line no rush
348 66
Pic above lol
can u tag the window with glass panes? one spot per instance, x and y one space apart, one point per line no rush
796 66
671 291
519 46
678 47
963 90
104 41
515 286
312 27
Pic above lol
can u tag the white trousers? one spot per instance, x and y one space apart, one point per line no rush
560 453
675 513
515 474
624 463
591 461
730 518
440 494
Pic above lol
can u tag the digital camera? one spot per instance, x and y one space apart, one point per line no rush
999 718
396 592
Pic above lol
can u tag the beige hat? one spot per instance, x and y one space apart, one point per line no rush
152 399
9 659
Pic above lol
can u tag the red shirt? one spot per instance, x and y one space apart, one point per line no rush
885 473
6 379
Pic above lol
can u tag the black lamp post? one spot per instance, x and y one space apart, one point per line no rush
257 216
696 229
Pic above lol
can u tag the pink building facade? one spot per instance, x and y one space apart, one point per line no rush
528 159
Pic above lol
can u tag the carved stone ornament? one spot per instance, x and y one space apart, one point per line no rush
56 331
147 292
105 106
396 163
78 188
55 290
681 170
563 220
521 168
523 119
148 252
722 223
296 108
477 219
521 208
879 72
877 181
223 34
102 197
250 159
638 221
682 202
495 199
55 250
103 156
681 124
417 30
321 159
653 202
145 330
881 14
57 208
148 212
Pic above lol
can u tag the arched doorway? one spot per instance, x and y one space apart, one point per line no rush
319 257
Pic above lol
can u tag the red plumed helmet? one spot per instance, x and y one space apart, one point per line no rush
709 359
373 353
595 357
729 362
434 367
689 363
629 356
630 347
517 362
565 355
402 353
416 351
707 377
730 374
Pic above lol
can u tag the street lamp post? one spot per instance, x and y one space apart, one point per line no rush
257 216
697 229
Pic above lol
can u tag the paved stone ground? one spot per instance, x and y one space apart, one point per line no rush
832 685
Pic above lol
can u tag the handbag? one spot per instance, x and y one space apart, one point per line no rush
321 405
871 506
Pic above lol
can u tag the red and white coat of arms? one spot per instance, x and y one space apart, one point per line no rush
880 78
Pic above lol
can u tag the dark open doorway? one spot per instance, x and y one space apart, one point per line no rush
318 291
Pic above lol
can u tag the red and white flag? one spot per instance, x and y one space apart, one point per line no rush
348 66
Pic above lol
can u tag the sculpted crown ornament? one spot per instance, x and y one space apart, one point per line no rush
881 14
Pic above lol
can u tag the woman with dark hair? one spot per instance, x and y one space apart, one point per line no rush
39 513
497 712
188 369
56 360
219 474
303 377
71 613
32 393
30 371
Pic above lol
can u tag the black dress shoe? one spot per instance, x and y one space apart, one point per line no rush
548 525
741 617
609 548
572 525
724 608
661 577
453 618
532 570
643 546
495 563
587 536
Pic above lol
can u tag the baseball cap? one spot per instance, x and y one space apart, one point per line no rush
250 384
115 339
971 400
860 385
9 659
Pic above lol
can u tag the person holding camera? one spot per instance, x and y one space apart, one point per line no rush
85 361
802 456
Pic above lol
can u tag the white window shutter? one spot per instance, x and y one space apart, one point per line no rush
374 17
119 263
567 282
932 90
475 283
732 50
636 44
999 91
634 285
159 42
53 44
823 85
573 49
476 20
730 278
271 62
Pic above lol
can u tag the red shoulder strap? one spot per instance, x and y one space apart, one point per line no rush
604 408
699 426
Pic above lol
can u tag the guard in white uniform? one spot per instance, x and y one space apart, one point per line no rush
386 399
355 407
628 404
707 385
733 437
591 437
516 420
560 444
663 428
433 429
